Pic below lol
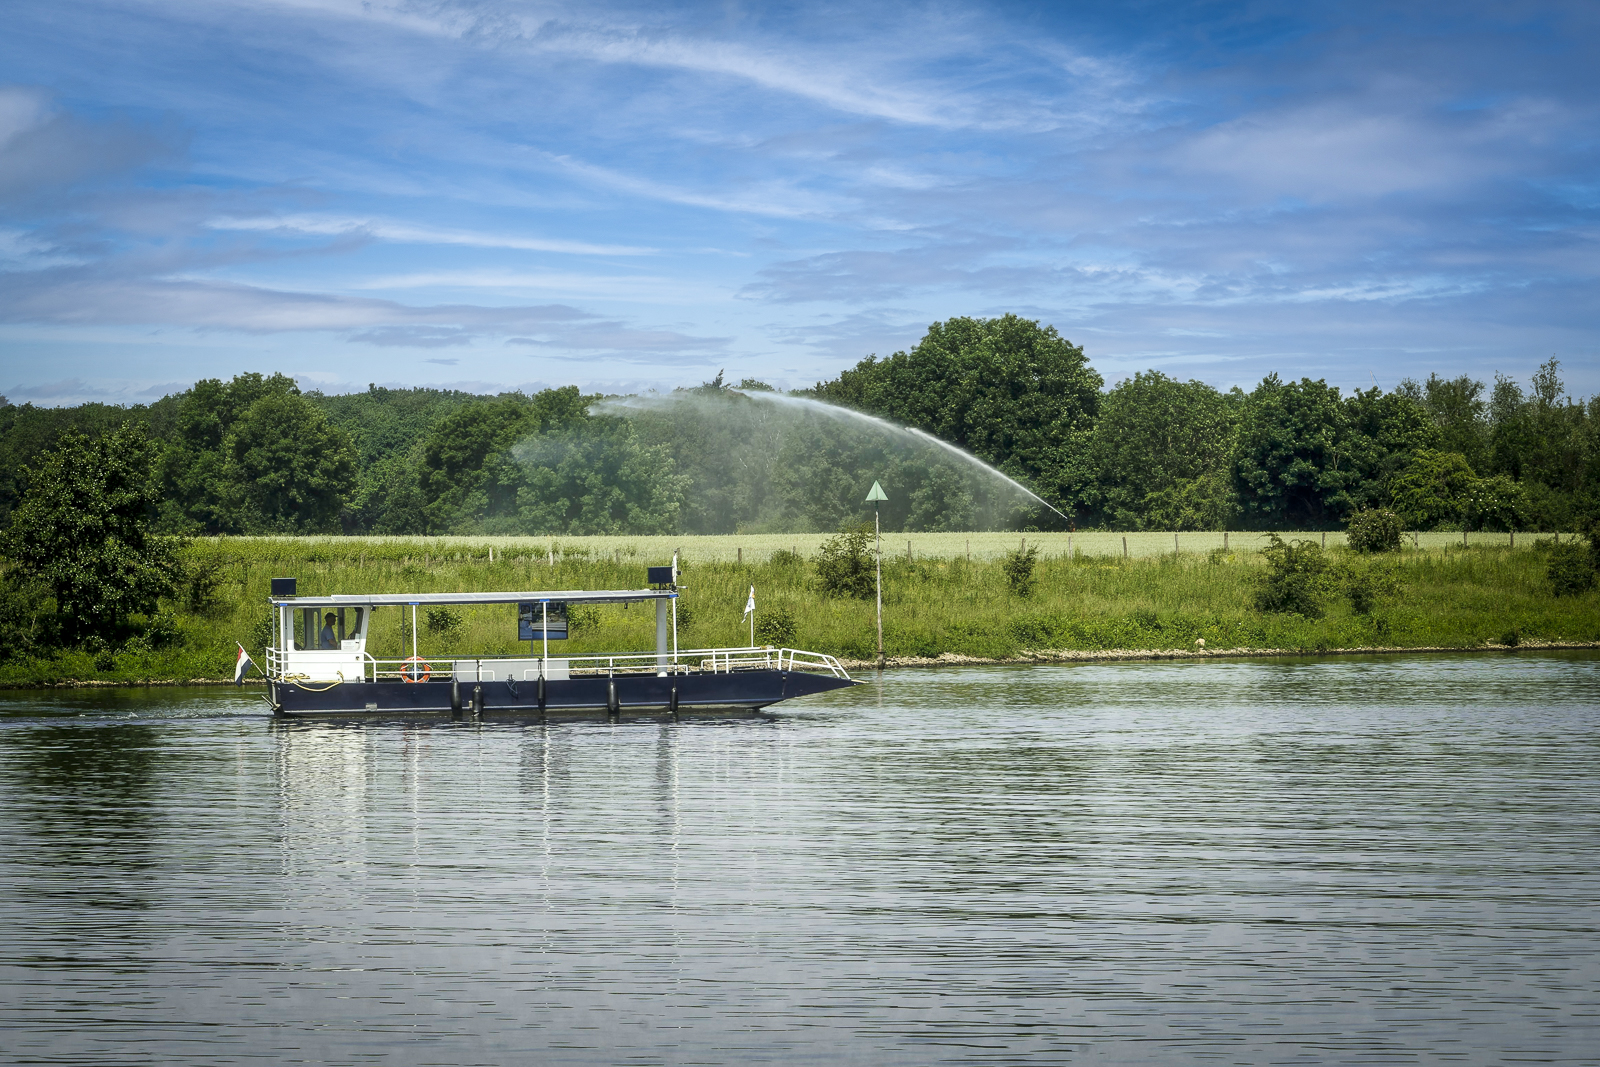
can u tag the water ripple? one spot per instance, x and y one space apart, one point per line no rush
1371 861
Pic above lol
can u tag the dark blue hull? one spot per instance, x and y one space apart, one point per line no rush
623 694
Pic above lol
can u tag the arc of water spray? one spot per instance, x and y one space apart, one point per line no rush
884 424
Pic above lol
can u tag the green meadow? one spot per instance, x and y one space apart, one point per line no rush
943 594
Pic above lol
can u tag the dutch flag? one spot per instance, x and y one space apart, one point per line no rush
243 664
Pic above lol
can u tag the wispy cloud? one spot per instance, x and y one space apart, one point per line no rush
386 230
1222 186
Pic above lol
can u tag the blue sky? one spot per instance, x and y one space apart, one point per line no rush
497 194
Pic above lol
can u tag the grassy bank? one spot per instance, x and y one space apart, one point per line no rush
937 600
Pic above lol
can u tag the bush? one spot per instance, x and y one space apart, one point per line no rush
20 616
1374 530
775 626
1018 569
198 581
162 631
1365 587
1296 578
783 557
1571 569
844 564
443 622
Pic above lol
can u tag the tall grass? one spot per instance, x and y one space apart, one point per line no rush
936 600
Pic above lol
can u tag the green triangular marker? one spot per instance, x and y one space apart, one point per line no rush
877 493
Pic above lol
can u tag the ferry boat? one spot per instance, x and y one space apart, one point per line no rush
318 663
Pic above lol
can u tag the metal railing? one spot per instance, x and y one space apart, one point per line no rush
282 665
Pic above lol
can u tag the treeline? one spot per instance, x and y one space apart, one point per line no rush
258 455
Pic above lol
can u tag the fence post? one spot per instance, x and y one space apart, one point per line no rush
1124 546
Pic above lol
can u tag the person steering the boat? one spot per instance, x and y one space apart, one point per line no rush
327 639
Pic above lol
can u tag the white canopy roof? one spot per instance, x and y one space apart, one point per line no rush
377 600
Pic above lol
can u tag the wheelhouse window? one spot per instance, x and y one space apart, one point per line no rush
327 629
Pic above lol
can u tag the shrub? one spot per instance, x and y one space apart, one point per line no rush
775 626
1365 587
1374 530
198 580
443 622
783 557
583 619
1296 578
161 631
1018 569
261 630
1571 569
844 564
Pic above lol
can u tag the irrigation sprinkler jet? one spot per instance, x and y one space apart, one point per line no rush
884 424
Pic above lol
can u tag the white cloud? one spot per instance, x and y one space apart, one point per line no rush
411 233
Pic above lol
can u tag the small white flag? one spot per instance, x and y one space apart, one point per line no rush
750 605
244 662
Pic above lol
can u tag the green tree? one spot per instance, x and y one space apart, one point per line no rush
1008 390
465 451
1459 411
1434 491
1384 432
253 456
1496 503
593 477
387 427
82 532
284 469
26 432
1292 467
1162 449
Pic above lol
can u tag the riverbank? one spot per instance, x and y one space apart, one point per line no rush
939 608
953 659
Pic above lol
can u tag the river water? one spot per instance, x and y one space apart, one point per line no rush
1373 861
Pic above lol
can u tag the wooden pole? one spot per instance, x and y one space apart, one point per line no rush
1124 547
878 530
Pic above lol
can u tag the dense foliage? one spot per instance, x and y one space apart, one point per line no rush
81 538
258 455
1374 530
1296 578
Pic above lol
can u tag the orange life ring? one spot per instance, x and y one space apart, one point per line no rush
416 669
